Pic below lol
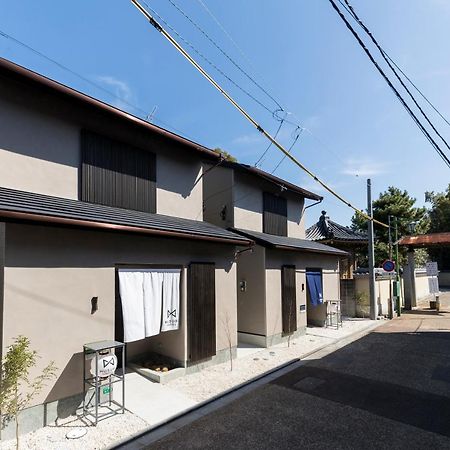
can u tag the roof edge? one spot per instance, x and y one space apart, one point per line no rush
23 74
273 179
44 218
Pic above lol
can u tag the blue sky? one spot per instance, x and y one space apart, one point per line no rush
299 50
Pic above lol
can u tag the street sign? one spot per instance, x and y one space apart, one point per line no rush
388 265
433 285
432 269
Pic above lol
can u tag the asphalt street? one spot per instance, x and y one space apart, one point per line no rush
389 389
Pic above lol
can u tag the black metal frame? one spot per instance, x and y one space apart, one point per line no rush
94 382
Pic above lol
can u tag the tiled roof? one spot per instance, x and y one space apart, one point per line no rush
327 230
34 207
289 243
424 240
286 185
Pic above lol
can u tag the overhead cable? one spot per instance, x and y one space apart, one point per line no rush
298 132
208 61
192 61
235 64
145 114
350 10
377 45
388 81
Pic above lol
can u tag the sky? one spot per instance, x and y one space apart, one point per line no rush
298 50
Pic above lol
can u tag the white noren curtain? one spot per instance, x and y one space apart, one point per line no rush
150 301
132 296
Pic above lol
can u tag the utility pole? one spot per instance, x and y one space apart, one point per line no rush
391 302
397 290
373 302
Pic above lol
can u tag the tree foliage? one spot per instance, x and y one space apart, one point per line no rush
439 215
225 154
410 219
17 390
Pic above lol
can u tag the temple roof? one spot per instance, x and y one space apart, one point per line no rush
327 230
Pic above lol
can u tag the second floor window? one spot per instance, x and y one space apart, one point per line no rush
275 215
117 174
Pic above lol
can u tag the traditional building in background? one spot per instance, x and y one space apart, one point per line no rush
331 233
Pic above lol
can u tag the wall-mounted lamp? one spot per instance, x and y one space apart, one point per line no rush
94 304
243 286
223 212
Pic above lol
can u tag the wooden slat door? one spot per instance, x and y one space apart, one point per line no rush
288 299
201 309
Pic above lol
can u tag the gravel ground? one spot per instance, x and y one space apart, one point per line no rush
104 434
213 380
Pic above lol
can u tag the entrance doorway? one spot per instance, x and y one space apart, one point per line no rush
315 307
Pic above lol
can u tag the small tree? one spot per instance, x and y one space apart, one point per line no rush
16 389
226 324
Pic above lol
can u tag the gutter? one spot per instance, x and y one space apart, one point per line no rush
15 215
310 250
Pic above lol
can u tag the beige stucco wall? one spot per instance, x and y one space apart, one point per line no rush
179 186
51 275
251 302
40 152
217 195
296 217
330 277
248 203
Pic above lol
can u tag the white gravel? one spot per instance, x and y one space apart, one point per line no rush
107 432
213 380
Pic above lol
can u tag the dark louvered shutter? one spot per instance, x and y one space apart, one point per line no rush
117 174
288 299
275 215
201 311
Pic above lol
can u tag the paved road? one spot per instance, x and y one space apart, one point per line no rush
389 389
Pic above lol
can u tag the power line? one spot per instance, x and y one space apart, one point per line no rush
194 63
369 33
261 158
208 61
276 113
144 113
297 135
227 34
350 10
388 81
235 64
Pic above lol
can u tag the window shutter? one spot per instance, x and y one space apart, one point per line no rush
117 174
275 215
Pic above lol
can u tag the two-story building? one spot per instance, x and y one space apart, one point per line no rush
102 237
284 280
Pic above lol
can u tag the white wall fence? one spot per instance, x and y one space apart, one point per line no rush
355 293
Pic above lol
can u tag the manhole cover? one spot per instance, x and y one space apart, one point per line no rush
308 384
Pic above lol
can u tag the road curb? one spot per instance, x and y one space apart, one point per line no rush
131 441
